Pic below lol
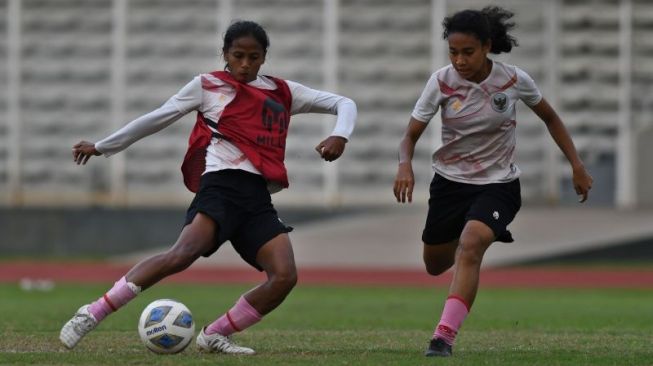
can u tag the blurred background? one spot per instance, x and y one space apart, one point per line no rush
80 69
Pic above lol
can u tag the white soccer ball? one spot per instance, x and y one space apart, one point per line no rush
166 326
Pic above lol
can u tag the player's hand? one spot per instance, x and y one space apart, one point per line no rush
83 150
331 148
582 183
404 183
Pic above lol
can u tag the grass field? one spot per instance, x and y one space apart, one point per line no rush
349 326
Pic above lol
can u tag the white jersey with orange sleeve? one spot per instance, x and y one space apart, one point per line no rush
478 122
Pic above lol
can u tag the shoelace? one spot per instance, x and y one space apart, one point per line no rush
219 344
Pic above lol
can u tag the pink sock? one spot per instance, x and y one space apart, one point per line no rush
120 294
454 313
238 318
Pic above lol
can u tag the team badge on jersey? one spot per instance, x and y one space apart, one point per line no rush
499 102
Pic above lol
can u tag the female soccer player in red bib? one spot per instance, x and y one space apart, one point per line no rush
475 192
234 161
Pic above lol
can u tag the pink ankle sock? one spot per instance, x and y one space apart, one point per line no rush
240 317
120 294
454 313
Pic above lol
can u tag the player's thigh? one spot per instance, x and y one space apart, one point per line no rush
196 238
449 203
259 235
496 207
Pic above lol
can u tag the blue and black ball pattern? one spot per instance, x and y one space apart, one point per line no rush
184 320
157 315
167 340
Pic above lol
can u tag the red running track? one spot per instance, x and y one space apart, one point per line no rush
524 277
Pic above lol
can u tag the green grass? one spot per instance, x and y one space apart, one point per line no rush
349 326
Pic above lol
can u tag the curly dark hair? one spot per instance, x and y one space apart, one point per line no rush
491 23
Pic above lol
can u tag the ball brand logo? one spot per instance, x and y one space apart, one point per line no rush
156 330
500 102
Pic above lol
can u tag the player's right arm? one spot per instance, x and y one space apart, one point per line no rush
83 150
425 108
186 100
405 179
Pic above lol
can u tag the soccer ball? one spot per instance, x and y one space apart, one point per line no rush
166 326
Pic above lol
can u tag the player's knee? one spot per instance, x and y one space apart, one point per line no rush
438 262
285 280
181 257
438 267
471 252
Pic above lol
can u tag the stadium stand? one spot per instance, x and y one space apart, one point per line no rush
384 59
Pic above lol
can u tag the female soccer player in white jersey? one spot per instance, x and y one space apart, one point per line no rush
475 192
234 161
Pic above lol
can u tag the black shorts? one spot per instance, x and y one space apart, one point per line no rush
241 206
452 204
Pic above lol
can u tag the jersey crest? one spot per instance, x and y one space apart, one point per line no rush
499 102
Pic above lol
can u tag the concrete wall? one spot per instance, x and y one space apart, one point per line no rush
97 232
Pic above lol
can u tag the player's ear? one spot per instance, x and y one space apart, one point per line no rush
487 47
225 52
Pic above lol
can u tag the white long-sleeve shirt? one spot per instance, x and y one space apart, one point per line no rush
222 154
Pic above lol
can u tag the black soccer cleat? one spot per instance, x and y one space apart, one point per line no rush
438 348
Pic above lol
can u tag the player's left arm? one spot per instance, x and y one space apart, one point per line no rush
582 180
307 100
333 146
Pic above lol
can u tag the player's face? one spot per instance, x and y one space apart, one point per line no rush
244 58
469 56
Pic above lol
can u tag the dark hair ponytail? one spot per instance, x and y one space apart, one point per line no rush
489 24
244 28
